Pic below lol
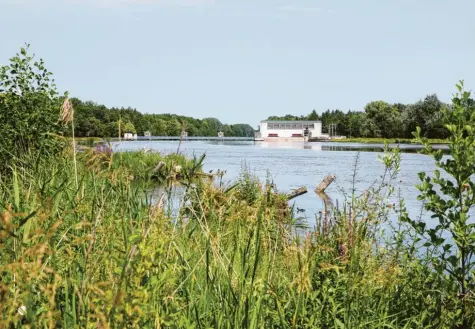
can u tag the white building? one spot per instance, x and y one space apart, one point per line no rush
130 136
289 130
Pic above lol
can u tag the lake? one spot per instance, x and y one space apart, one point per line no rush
294 165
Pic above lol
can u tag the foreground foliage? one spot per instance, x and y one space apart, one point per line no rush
107 255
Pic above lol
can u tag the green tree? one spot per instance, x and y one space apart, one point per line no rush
427 114
111 129
313 116
174 127
369 128
386 117
355 121
192 130
213 125
29 109
129 128
160 128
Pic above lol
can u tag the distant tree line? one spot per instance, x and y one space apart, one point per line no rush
381 119
94 120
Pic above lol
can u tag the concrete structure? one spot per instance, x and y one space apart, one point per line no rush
130 136
258 136
220 134
195 138
289 130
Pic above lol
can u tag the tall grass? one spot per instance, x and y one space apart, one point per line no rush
103 255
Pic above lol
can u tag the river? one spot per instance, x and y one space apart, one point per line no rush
303 164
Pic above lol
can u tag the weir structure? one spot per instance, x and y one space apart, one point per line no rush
288 131
193 138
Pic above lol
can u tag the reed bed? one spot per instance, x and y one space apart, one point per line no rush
103 255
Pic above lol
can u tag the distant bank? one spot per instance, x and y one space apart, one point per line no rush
92 140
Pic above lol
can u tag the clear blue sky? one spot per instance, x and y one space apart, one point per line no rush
243 60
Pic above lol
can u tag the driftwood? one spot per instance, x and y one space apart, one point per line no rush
297 192
159 166
212 174
325 183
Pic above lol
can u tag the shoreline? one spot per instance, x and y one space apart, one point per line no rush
386 140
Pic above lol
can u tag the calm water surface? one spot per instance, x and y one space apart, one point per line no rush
303 164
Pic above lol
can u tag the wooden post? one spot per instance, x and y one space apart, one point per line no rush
295 193
328 205
326 200
325 183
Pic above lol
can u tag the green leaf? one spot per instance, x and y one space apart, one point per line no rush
135 238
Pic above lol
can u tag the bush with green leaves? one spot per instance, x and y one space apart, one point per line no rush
29 109
449 196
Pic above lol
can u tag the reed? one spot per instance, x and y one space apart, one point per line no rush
104 254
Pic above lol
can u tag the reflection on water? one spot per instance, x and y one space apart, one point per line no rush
331 146
293 165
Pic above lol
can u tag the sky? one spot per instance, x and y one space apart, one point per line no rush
244 60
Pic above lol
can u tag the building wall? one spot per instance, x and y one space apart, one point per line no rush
287 133
318 130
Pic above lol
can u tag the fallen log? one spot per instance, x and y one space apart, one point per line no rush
211 174
297 192
325 183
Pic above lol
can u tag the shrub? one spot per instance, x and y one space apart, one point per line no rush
449 196
29 109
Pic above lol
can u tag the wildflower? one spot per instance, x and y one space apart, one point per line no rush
22 310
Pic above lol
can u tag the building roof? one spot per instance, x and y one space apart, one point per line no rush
290 121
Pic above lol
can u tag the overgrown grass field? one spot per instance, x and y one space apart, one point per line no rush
101 255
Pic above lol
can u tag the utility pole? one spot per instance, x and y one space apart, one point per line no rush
119 127
332 129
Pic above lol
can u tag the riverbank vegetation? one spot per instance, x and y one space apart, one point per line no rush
89 241
388 140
